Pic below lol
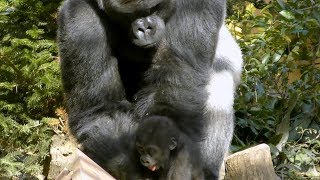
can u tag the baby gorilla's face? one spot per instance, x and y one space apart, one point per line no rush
154 141
151 156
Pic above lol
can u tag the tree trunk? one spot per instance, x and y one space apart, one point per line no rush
254 163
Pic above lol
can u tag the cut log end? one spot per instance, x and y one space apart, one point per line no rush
253 163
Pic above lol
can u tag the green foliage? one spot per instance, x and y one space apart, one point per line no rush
23 147
302 155
30 87
281 81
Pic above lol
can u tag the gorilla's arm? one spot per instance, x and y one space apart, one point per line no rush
183 63
193 30
89 72
92 85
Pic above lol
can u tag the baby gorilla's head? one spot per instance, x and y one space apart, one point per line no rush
156 137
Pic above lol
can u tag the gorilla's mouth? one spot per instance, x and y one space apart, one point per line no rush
149 45
153 167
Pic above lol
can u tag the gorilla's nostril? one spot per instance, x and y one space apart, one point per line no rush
146 32
144 161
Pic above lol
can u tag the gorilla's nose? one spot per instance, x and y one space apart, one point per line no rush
145 29
143 26
144 161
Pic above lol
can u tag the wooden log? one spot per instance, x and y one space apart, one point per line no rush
84 169
251 164
63 154
254 163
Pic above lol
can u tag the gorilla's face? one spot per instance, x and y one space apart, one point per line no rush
148 31
151 156
144 19
156 137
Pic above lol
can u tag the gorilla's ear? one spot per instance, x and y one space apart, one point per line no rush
173 144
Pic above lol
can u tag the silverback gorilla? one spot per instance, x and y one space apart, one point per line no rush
127 61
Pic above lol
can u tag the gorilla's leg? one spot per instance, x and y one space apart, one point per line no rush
225 77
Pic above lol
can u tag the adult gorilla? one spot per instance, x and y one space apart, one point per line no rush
106 48
196 94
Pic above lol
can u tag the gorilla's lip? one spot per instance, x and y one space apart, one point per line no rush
153 167
149 45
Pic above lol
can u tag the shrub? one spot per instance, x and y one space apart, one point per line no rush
30 87
280 91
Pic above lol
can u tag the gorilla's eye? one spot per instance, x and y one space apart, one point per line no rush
139 147
152 151
155 8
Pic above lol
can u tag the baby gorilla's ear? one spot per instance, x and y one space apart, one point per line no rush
173 144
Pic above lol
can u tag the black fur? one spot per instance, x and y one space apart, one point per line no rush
102 69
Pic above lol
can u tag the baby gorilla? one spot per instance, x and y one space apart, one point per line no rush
163 148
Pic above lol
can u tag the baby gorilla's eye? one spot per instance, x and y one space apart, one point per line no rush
139 148
152 151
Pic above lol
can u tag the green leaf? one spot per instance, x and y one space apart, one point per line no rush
265 58
287 14
263 10
313 22
35 32
281 3
277 56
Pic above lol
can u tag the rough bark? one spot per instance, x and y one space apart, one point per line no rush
84 169
253 163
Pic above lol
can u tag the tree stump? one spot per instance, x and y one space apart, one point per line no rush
254 163
251 164
62 153
84 169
